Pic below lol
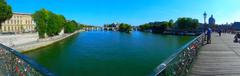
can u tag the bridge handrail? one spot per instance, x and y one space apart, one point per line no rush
15 64
174 65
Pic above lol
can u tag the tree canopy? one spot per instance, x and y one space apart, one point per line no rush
187 23
5 11
41 19
157 27
70 26
50 24
124 27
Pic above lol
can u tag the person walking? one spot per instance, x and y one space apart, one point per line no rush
219 32
209 31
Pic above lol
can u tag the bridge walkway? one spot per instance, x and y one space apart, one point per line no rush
220 58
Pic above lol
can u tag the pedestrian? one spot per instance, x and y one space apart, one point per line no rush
236 37
209 31
219 32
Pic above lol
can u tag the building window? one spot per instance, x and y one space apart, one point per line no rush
9 28
4 29
20 21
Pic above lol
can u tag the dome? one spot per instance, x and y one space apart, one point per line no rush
211 20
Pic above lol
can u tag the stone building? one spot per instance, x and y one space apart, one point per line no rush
19 23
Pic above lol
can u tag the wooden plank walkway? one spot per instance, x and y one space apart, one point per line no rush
221 58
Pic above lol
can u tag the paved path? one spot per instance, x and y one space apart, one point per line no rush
221 58
42 43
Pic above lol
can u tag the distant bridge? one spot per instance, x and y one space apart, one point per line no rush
105 28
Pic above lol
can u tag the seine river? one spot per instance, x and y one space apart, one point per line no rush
100 53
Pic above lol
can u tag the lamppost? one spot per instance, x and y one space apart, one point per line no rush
205 23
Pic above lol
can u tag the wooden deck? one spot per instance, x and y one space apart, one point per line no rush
221 58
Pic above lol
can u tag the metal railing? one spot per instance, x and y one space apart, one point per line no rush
13 63
180 63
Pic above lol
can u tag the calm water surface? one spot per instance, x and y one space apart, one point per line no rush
108 53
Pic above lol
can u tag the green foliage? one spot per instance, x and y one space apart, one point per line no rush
145 27
70 26
124 27
111 25
187 23
157 27
160 27
48 23
81 26
171 23
5 11
55 24
41 19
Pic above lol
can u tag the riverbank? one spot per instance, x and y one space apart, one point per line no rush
39 43
17 39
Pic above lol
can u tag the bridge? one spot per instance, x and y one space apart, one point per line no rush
12 63
220 58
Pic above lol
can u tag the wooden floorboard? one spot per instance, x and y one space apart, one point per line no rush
220 58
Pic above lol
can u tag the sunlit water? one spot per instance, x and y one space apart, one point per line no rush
108 53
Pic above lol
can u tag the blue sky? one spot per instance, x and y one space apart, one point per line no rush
135 12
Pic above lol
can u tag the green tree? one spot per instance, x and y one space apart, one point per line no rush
124 27
159 27
5 11
171 23
145 27
187 23
41 19
55 24
48 23
80 26
70 26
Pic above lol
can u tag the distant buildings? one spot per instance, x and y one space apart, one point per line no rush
223 27
112 27
20 22
236 26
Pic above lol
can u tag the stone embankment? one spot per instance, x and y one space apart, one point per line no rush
27 42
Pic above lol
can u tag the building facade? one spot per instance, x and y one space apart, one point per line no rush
236 26
19 23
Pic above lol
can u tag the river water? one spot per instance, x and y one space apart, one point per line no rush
104 53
